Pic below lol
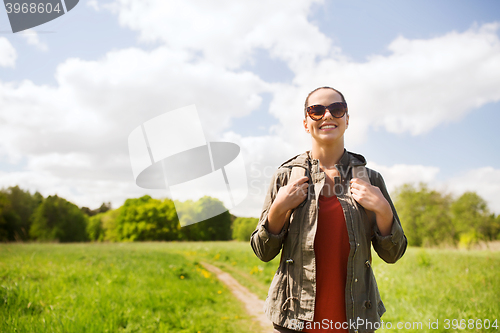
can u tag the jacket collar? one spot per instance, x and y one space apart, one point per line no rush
305 159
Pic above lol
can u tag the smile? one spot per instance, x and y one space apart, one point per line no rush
325 127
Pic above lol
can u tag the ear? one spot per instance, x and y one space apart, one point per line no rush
347 121
305 125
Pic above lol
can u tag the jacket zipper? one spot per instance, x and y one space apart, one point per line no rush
349 202
353 256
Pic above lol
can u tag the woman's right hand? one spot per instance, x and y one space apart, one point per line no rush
291 195
287 198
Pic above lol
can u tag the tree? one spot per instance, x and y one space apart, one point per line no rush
58 220
496 227
243 228
94 228
103 226
22 204
109 224
9 220
472 219
91 212
425 215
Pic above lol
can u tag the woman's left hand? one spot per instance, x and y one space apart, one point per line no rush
368 196
371 198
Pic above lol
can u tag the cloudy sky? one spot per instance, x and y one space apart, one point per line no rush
421 78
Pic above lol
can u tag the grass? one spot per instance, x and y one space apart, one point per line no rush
128 287
161 287
430 285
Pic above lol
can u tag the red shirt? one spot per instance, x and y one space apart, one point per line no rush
331 247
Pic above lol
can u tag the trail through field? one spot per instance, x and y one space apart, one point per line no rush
253 305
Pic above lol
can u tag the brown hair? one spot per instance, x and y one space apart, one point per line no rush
307 98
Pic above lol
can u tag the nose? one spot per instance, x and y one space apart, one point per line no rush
327 113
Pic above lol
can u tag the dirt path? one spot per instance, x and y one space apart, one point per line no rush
253 305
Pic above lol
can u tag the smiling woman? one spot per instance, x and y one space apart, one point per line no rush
324 209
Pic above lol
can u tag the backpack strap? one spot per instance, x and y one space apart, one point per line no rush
297 173
360 172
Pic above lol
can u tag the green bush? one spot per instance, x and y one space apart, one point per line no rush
146 218
243 228
214 228
102 227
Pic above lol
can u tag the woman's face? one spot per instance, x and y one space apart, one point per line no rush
328 129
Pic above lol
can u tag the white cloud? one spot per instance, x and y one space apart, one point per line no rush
8 54
94 4
227 32
484 181
144 84
78 129
399 174
32 38
96 101
385 91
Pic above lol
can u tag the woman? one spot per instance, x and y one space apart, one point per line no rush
324 281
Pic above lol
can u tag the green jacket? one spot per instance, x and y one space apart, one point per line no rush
292 294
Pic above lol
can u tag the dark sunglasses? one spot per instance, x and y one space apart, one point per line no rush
317 112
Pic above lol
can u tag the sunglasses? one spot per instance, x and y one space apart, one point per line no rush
317 112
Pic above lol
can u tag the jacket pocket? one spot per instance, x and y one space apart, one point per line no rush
295 221
276 292
368 299
375 295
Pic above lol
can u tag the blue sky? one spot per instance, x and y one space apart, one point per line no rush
421 79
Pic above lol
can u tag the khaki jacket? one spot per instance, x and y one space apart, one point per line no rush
292 294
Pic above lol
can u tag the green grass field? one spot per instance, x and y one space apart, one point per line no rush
161 287
120 287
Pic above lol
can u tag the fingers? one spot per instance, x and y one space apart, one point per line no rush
297 190
301 180
357 181
355 186
300 185
301 189
359 189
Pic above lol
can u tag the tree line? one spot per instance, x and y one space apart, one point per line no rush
31 217
432 218
429 218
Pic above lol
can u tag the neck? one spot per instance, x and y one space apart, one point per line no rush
329 155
